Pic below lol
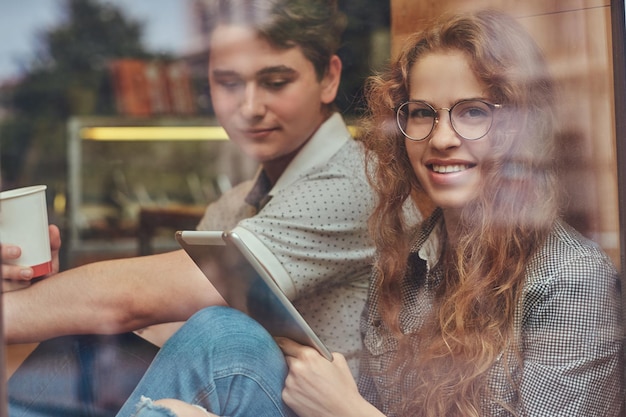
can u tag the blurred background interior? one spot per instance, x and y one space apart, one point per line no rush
106 102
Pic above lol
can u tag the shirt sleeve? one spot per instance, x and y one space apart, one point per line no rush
572 342
228 210
317 228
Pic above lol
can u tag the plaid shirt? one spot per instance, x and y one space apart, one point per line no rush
569 323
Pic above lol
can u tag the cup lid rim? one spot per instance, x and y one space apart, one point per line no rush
18 192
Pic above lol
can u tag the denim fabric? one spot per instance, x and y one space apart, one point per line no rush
79 376
146 408
221 360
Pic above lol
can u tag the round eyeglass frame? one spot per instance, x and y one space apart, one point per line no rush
492 106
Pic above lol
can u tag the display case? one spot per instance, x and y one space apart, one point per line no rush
131 182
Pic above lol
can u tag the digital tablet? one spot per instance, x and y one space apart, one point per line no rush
247 282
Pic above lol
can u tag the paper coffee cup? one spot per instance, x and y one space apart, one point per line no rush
24 222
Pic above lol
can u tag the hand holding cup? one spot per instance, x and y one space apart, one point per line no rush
25 237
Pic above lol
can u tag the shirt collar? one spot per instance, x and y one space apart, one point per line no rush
324 143
431 251
259 193
428 240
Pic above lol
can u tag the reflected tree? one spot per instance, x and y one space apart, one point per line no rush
68 76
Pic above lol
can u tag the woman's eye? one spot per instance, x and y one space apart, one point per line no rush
475 112
421 114
472 111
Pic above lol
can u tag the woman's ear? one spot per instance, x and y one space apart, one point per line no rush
330 82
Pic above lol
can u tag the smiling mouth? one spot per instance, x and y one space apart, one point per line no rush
447 169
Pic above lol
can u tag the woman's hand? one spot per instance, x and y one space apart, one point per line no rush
318 387
21 273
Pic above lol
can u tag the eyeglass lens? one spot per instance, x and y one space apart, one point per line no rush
471 119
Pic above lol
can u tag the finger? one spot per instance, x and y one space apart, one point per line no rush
55 237
10 252
297 350
288 346
16 272
55 247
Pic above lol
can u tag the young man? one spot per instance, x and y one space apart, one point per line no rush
273 74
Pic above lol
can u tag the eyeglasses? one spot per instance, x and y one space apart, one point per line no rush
470 119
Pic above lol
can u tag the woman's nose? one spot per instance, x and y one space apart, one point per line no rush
443 135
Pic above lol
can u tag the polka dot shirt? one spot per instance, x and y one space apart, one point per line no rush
315 224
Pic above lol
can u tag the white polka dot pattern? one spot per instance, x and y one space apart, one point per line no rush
317 228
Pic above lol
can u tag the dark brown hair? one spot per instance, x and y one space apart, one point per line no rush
313 25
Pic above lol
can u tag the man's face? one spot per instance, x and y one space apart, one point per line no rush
268 100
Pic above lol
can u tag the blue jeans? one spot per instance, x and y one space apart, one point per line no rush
220 360
79 376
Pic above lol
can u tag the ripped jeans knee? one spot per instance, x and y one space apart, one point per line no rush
148 408
220 359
